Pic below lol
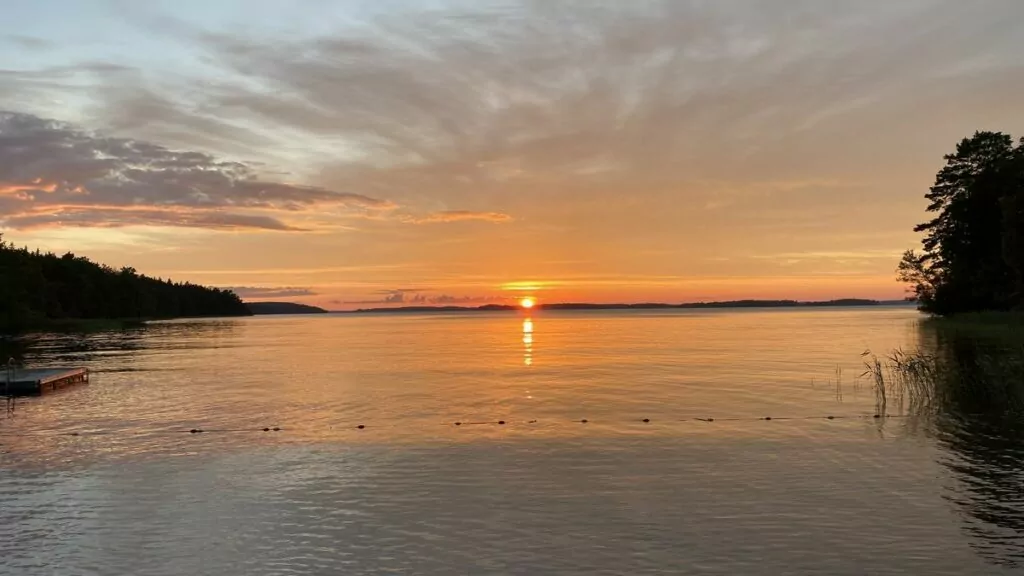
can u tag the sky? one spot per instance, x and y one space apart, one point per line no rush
351 153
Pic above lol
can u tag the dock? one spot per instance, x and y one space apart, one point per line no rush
32 382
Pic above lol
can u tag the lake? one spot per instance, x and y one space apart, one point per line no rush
631 443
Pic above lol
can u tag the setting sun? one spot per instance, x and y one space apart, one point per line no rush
527 303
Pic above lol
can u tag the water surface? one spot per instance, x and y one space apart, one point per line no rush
108 479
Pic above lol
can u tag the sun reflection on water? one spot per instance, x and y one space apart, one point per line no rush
528 341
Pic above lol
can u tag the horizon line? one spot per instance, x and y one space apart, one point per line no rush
740 303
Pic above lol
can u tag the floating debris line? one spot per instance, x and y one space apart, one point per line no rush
457 423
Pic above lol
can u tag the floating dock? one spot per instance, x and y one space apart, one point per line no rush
31 382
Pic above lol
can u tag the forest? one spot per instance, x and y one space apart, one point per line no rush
972 256
40 289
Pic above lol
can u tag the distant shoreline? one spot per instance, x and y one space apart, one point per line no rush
846 302
279 308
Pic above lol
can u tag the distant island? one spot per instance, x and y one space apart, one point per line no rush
642 306
265 308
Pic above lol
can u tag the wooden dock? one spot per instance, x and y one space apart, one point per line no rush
31 382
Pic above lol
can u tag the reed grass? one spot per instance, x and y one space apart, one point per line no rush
907 379
969 366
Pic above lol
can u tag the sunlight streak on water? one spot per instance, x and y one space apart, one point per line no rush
528 342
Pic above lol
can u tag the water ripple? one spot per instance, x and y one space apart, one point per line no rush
136 493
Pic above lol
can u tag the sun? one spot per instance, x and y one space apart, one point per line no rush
527 303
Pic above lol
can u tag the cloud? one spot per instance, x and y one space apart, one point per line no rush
568 114
850 260
529 89
28 42
52 173
394 298
397 296
125 102
260 293
89 217
594 124
459 216
421 297
447 299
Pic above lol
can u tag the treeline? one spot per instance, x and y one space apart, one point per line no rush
38 288
972 256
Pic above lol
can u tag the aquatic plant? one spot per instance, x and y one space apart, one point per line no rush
964 369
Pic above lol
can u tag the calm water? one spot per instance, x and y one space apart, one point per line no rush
412 493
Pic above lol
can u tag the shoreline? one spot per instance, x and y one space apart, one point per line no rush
105 324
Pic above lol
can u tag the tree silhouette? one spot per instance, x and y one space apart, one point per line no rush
38 288
973 253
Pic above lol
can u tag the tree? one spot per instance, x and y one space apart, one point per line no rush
37 288
1013 228
972 251
914 270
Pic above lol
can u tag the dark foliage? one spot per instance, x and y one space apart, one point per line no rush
37 289
973 251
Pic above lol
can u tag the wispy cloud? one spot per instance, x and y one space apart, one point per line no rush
579 89
390 296
264 293
459 216
27 42
354 270
472 104
422 297
448 299
97 217
835 255
416 103
52 173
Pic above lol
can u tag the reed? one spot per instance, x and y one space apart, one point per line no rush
907 379
966 368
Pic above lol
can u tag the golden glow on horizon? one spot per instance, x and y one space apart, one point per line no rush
527 303
525 286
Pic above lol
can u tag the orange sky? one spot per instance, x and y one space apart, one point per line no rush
470 152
